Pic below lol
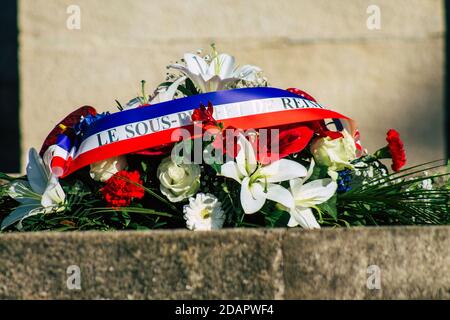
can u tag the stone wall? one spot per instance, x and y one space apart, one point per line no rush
358 263
387 78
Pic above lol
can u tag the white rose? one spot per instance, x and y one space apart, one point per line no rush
335 154
178 181
103 170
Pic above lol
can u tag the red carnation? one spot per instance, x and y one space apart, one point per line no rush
395 146
122 187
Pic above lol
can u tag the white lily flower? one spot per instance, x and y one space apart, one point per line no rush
162 94
306 196
216 75
168 93
41 194
258 182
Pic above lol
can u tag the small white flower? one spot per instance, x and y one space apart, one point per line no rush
258 182
204 212
306 196
178 181
103 170
217 74
426 184
41 194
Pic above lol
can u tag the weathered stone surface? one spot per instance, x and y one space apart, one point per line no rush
231 264
387 78
141 265
414 263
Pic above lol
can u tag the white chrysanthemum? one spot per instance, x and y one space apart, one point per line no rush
204 212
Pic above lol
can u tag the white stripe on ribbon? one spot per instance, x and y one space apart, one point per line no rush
180 119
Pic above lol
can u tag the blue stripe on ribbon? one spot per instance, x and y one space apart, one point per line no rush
185 104
338 124
64 142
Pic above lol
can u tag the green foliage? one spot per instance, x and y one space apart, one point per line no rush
85 209
329 207
5 177
143 98
319 172
398 199
408 197
276 218
188 88
227 195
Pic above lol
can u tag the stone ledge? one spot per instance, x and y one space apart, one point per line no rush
414 263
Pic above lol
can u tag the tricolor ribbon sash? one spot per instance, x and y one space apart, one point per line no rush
142 128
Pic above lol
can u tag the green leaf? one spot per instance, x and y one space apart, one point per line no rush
144 166
188 89
276 218
216 167
383 153
184 90
329 207
229 199
165 84
319 172
191 87
4 176
136 226
143 211
20 213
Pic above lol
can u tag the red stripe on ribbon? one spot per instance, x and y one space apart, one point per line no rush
270 119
